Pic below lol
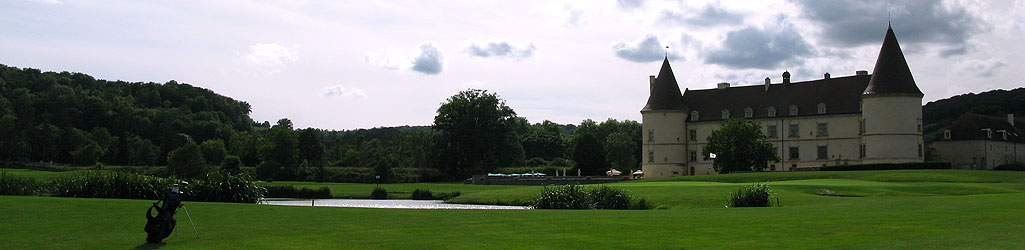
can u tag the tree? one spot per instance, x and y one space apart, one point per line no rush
620 149
213 151
231 165
187 162
247 147
544 144
738 146
476 134
279 153
311 149
87 154
589 155
142 152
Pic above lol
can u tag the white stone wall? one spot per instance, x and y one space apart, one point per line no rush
979 154
892 129
662 143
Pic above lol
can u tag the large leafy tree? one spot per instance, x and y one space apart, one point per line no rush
187 162
311 149
476 134
589 155
738 146
619 147
280 153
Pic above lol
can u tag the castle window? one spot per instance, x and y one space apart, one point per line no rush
823 152
748 113
793 109
772 111
821 108
919 149
772 131
946 134
725 114
862 153
795 130
919 125
651 156
692 135
861 126
795 153
694 115
693 156
651 135
823 129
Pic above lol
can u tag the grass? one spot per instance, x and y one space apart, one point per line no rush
906 209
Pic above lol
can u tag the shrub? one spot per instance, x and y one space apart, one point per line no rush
536 161
239 188
231 165
1017 166
446 196
187 162
422 194
379 194
16 185
560 162
562 197
292 192
605 197
122 185
756 195
641 204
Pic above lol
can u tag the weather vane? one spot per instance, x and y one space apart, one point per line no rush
667 51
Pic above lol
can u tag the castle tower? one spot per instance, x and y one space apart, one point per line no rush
662 121
891 109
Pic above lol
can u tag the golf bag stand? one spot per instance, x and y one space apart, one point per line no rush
160 226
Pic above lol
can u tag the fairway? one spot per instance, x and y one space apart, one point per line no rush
858 212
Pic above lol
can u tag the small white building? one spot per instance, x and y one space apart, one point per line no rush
981 142
854 119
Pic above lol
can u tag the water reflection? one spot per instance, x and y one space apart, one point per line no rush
400 204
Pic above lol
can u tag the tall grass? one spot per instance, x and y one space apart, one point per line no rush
756 195
16 185
577 197
215 187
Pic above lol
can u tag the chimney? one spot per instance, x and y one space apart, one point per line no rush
826 76
861 72
723 85
1010 119
767 82
651 85
786 77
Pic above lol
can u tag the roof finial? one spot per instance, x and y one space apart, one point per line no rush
667 51
888 18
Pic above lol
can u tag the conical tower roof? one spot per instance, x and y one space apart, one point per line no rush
891 74
665 93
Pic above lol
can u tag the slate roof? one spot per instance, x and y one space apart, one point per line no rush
970 127
891 74
841 95
665 94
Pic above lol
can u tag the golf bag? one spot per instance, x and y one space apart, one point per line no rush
161 226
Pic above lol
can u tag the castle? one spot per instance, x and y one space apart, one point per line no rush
859 119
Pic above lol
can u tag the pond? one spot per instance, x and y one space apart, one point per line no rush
400 204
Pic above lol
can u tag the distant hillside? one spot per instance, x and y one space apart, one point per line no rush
938 115
72 117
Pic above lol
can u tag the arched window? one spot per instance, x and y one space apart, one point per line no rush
793 109
772 111
725 114
694 115
748 112
821 108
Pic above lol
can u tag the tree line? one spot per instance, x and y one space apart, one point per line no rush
72 118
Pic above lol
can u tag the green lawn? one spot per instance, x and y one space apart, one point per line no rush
913 209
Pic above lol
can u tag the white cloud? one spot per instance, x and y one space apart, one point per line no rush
427 59
500 49
982 68
340 90
645 49
270 55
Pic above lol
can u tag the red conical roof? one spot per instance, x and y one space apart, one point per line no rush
891 74
665 94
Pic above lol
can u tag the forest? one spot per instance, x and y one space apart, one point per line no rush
64 118
938 115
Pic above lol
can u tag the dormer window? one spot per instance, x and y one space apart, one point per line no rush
748 113
694 115
946 134
793 109
772 111
725 114
821 108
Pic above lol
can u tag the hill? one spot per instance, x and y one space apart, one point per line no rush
938 115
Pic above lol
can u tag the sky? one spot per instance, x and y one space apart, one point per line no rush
361 64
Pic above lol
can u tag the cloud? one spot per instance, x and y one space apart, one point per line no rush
629 4
646 49
982 68
499 49
430 61
765 48
339 90
574 17
427 59
847 23
708 16
270 55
